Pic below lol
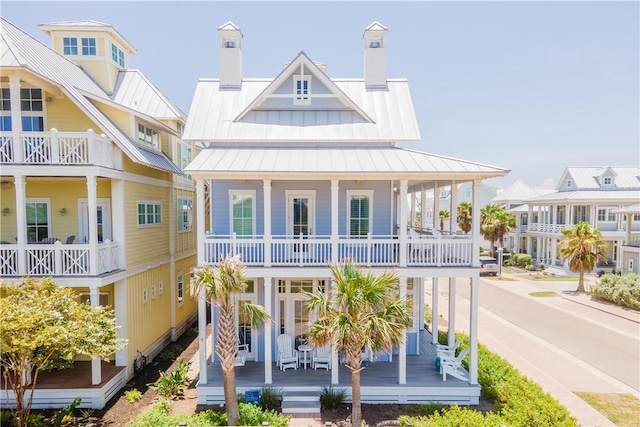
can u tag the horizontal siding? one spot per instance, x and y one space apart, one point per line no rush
145 243
185 240
65 116
189 304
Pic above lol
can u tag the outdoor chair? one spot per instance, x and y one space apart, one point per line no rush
322 357
452 366
287 355
446 350
243 351
70 239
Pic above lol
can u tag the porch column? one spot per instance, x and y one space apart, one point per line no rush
554 251
118 233
334 220
96 374
530 217
452 311
473 332
475 223
202 302
627 234
120 308
21 222
92 196
267 332
420 298
436 206
538 249
434 310
403 223
16 119
335 365
453 213
413 209
423 208
266 186
402 350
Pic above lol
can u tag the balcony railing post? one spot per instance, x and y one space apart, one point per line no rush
55 147
234 245
91 146
57 254
368 260
439 250
300 257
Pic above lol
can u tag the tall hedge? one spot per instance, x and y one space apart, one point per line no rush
622 290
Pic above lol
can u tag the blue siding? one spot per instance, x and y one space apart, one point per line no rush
220 209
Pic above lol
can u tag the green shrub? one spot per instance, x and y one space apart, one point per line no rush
520 260
331 398
64 414
208 418
252 415
174 383
133 395
157 416
622 290
270 399
7 419
170 353
455 416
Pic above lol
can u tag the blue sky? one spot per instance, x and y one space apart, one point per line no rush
529 86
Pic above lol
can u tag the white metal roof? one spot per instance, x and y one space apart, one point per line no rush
87 25
621 196
519 191
588 178
19 49
212 114
363 163
631 209
135 91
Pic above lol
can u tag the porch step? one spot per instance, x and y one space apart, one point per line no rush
300 402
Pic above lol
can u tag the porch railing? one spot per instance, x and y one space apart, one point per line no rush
546 228
59 148
287 250
634 240
59 259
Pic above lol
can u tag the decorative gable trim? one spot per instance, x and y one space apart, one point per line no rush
295 69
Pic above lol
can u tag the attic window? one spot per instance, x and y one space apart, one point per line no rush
117 55
569 183
230 44
70 45
375 44
302 90
89 46
607 180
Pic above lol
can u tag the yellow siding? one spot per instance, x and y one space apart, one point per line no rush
119 117
189 303
9 228
65 116
146 322
145 243
56 43
185 240
138 169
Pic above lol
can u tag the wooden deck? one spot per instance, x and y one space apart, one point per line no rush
379 381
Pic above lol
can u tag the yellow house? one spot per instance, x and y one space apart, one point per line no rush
93 193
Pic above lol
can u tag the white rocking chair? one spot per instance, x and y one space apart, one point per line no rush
287 355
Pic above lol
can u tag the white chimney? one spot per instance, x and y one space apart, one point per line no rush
375 64
230 55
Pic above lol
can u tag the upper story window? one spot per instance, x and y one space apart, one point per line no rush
636 217
148 135
184 156
359 213
375 44
5 106
89 46
37 219
302 90
70 45
31 104
179 128
606 215
117 55
569 183
243 212
607 180
185 214
149 213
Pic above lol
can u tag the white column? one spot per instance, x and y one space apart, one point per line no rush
202 301
423 208
21 222
538 249
402 350
118 229
334 220
554 251
16 119
452 311
92 196
403 223
268 363
200 216
453 213
266 186
475 223
627 234
334 351
120 309
473 332
434 310
96 374
436 207
420 298
413 209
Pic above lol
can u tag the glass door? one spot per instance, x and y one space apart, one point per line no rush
300 220
103 219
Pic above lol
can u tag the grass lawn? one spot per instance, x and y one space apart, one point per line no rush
543 294
621 409
551 278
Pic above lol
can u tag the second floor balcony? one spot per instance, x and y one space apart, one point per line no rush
304 251
58 148
546 228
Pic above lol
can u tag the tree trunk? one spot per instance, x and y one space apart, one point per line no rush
581 282
227 350
356 409
230 396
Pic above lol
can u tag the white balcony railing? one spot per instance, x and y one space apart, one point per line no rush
320 250
59 259
634 240
546 228
59 148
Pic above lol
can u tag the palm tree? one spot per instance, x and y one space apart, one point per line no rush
363 313
464 216
495 222
443 215
221 284
583 246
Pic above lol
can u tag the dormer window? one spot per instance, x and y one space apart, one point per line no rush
229 44
375 44
148 135
607 180
569 183
70 46
302 90
89 46
117 55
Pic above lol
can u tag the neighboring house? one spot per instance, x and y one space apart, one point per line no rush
94 195
303 170
589 194
514 199
629 260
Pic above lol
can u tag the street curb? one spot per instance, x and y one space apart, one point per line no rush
601 309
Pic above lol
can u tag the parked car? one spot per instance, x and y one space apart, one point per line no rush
488 265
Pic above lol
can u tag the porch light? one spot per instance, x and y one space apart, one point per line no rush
5 211
63 211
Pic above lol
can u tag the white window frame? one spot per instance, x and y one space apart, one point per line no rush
301 98
90 48
146 203
356 193
117 55
153 291
604 181
247 192
148 135
160 287
70 46
635 217
569 183
185 207
32 112
47 202
180 288
602 214
145 295
86 297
